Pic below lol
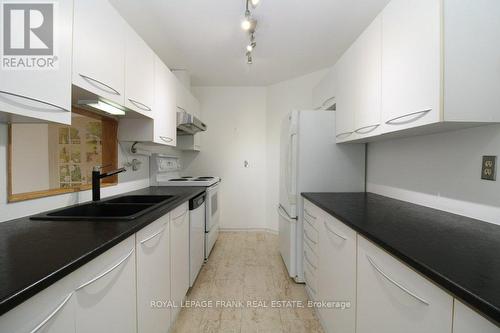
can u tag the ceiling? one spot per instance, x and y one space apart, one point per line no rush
294 37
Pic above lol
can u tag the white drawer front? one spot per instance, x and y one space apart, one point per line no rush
311 236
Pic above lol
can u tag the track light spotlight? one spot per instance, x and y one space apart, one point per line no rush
254 3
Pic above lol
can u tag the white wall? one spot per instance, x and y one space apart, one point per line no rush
128 181
236 120
282 98
442 171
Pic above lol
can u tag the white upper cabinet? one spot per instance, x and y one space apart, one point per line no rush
162 129
324 93
139 74
183 96
31 95
106 292
99 49
392 298
153 276
347 95
466 320
368 80
411 64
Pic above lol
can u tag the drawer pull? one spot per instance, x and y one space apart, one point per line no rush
56 107
180 215
153 235
333 232
100 85
308 237
50 316
139 105
343 135
367 129
417 114
309 214
166 139
309 261
106 272
396 283
308 283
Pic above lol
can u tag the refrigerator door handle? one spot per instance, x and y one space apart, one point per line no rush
284 215
289 175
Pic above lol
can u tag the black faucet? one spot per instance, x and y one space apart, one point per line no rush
96 180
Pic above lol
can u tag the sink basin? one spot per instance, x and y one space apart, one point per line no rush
141 199
118 209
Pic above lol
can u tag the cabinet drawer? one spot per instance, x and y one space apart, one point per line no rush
393 298
312 213
310 257
311 236
311 281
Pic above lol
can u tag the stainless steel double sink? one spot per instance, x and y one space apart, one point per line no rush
127 207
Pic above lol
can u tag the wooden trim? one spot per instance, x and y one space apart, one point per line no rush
110 158
48 193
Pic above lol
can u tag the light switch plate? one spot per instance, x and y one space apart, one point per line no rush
489 168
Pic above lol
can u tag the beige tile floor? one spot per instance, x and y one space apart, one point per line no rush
246 266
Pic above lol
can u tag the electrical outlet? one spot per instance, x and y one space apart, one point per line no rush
489 168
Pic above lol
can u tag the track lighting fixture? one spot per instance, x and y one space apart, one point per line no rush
249 24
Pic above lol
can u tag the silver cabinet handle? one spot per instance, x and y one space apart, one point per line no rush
153 235
109 270
417 114
308 284
100 85
307 212
309 261
166 139
284 215
343 135
50 316
139 105
327 101
366 129
396 283
180 215
58 108
308 221
333 232
309 237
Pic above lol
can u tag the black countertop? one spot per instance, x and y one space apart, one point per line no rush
460 254
35 254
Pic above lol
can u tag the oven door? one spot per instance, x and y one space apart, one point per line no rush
212 207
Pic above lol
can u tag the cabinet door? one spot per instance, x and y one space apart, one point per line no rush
106 292
182 96
165 112
153 276
411 64
99 49
346 96
49 311
466 320
179 255
337 274
392 298
43 94
139 74
323 94
368 78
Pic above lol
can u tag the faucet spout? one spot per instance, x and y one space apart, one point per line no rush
96 180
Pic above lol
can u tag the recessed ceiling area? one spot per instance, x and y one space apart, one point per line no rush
294 37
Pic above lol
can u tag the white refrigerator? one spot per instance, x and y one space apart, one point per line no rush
311 161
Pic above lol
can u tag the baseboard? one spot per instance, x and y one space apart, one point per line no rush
270 231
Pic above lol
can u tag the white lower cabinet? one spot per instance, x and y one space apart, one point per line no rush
51 310
105 295
153 276
392 298
466 320
337 275
179 256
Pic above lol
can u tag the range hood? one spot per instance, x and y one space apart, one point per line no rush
187 124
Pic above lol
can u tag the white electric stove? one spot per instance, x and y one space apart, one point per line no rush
165 171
